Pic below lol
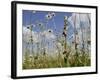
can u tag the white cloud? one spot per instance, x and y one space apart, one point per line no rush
83 17
74 20
78 18
82 24
71 19
27 35
49 35
43 38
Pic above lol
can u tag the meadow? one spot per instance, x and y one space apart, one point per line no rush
56 39
59 61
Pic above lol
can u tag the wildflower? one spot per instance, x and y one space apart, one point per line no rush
65 17
53 14
33 11
50 30
48 16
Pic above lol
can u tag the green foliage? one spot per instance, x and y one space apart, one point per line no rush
46 61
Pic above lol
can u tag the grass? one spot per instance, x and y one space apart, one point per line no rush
47 61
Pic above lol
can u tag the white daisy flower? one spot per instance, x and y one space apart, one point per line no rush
53 14
48 16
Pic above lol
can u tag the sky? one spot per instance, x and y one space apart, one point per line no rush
32 17
57 21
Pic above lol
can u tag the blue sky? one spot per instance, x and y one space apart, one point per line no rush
40 16
29 17
32 17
